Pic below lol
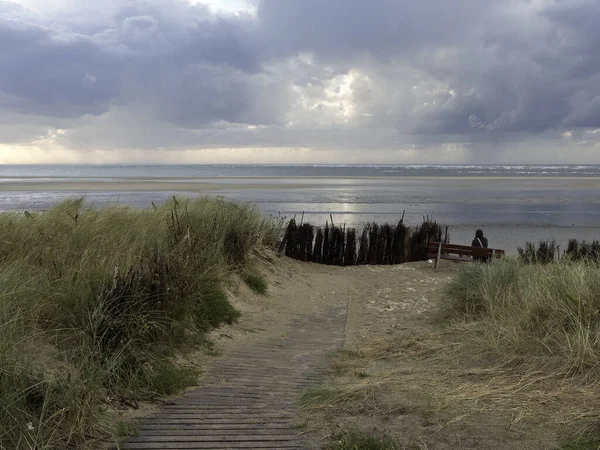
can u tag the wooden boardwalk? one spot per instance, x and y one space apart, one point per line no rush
249 398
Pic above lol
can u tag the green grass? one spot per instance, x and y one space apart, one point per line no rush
319 394
581 443
362 440
258 283
93 304
542 313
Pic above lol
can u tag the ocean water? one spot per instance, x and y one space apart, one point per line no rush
283 171
512 203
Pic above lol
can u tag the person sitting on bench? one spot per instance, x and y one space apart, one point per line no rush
479 241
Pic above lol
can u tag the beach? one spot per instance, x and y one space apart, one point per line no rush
510 209
195 292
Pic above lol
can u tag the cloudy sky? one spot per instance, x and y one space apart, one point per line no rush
275 81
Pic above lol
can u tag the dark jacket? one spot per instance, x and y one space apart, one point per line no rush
479 240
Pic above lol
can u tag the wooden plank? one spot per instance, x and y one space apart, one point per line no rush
211 445
200 409
462 250
457 258
434 245
454 246
252 410
439 253
450 255
200 417
203 438
257 421
219 431
218 415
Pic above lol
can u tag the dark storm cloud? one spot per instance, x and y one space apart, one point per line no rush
515 68
542 75
46 69
310 73
82 67
383 27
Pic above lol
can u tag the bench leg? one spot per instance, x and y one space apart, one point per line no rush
437 258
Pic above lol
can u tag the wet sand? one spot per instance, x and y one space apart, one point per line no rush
140 186
187 184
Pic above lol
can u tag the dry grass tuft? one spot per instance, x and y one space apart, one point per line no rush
510 361
548 315
439 382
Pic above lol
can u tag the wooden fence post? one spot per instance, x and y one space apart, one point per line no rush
439 254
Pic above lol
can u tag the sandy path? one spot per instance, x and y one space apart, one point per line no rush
400 373
428 385
248 396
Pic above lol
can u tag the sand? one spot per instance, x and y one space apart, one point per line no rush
186 184
139 186
406 373
425 395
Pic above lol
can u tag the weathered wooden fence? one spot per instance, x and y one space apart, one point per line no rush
548 251
376 244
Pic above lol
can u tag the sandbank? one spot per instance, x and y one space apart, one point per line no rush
204 184
142 186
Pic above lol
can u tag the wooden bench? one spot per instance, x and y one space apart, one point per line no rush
455 252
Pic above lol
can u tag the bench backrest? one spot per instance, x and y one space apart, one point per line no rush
463 250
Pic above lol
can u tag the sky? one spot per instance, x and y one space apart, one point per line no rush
300 81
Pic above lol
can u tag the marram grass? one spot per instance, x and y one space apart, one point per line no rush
354 439
94 302
543 313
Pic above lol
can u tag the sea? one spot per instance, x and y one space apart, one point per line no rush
511 203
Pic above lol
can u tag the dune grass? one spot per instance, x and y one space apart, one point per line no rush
581 443
355 439
93 303
544 313
512 361
257 282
